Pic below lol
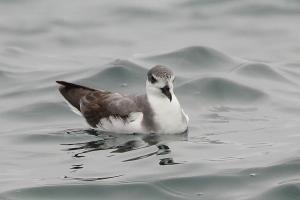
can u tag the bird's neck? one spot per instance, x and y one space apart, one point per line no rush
161 104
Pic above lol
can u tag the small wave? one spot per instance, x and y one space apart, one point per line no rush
138 13
196 3
91 191
3 74
194 58
292 74
75 24
264 10
286 192
24 29
40 111
27 90
120 76
221 90
279 170
6 79
260 71
118 73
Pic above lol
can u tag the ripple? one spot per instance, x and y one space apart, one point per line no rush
36 111
4 76
286 169
138 13
120 73
104 191
217 89
24 29
260 71
265 9
195 58
282 192
75 23
195 3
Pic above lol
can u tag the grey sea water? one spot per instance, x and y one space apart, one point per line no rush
238 79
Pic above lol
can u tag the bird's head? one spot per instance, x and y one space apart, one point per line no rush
160 82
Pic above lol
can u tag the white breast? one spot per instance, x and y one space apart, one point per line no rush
168 115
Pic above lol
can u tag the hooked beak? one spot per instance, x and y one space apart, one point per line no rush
166 91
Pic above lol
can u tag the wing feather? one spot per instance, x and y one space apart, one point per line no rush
96 105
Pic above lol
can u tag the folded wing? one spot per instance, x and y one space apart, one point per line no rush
96 105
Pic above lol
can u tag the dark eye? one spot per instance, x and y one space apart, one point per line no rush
152 79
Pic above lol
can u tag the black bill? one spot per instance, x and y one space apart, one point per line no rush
166 91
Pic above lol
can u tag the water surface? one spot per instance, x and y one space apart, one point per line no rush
238 79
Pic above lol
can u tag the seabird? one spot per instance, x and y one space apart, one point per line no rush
157 111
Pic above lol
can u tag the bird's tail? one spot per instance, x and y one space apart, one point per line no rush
73 93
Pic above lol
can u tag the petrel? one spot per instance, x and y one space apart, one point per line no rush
157 111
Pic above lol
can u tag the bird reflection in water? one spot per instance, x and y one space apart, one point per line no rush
121 143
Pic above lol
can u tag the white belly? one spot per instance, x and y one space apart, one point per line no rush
117 125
